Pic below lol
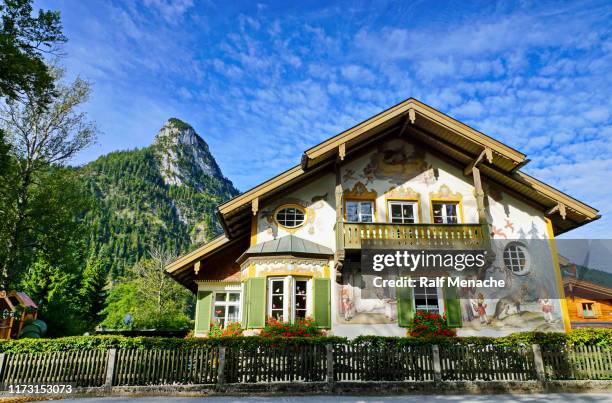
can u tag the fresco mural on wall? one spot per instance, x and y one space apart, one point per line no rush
396 161
360 305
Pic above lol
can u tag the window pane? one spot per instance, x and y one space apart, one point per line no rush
234 296
300 287
352 212
220 296
233 313
277 302
300 302
396 213
277 287
366 208
219 311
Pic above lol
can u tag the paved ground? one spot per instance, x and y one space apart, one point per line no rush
535 398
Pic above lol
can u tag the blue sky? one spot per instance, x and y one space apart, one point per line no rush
261 82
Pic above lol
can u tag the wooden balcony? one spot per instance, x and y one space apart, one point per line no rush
351 236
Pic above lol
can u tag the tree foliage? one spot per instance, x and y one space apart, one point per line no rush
149 297
24 41
42 139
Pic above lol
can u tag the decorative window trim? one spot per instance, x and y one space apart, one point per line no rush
360 193
299 207
446 195
527 267
402 194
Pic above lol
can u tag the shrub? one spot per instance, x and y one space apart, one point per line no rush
232 329
601 337
429 324
301 328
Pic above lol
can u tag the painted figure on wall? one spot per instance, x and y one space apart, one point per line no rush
395 161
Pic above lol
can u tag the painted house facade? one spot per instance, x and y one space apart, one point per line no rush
410 176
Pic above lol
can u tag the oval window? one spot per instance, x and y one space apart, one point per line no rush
516 258
290 216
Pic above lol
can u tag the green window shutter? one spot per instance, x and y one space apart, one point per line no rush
245 304
256 315
203 311
453 307
322 302
405 307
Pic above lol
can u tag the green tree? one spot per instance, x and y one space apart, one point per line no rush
52 287
93 290
41 138
24 41
150 297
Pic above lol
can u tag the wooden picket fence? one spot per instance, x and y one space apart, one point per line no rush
487 363
289 362
79 368
383 363
270 363
164 367
581 362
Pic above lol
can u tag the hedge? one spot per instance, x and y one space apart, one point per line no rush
600 337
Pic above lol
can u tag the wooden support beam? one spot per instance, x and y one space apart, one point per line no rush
487 152
412 115
342 151
560 207
255 205
480 206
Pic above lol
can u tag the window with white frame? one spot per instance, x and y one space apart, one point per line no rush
288 298
276 298
403 212
428 299
359 211
445 213
227 307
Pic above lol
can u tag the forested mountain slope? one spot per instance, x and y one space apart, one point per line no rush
164 195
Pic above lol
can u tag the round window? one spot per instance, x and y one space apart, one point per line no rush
290 216
516 258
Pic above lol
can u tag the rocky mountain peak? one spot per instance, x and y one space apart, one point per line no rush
184 157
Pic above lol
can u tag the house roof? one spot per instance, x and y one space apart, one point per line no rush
587 289
426 125
423 124
287 245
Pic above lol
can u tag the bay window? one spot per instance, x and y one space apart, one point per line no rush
288 298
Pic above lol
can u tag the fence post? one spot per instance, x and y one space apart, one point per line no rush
538 362
437 366
221 369
111 358
329 353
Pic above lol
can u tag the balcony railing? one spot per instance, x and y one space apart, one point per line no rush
412 236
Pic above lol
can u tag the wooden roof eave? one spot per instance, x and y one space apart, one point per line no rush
199 253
